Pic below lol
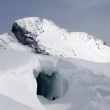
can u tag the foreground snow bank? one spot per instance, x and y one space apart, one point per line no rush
7 103
12 61
88 82
16 77
88 87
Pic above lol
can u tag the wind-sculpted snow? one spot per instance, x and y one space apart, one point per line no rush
87 89
12 61
70 82
11 104
17 80
75 86
45 37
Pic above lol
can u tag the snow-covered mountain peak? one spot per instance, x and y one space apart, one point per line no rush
36 26
31 24
48 38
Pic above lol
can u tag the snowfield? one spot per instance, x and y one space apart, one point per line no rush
45 67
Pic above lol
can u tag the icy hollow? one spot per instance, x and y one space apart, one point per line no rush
88 84
51 86
21 77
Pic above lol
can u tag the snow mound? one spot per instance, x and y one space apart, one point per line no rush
11 104
47 38
16 77
88 87
12 61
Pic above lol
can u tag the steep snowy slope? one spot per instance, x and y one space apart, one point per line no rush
9 41
48 38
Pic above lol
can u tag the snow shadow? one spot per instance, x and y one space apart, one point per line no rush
51 86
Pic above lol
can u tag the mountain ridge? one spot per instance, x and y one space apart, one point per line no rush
45 37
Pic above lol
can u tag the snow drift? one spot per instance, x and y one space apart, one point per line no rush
88 87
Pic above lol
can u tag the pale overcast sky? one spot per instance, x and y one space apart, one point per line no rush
91 16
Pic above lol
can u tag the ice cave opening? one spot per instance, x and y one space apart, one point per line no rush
51 86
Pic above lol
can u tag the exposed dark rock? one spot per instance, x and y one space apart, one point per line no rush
25 38
22 35
39 51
